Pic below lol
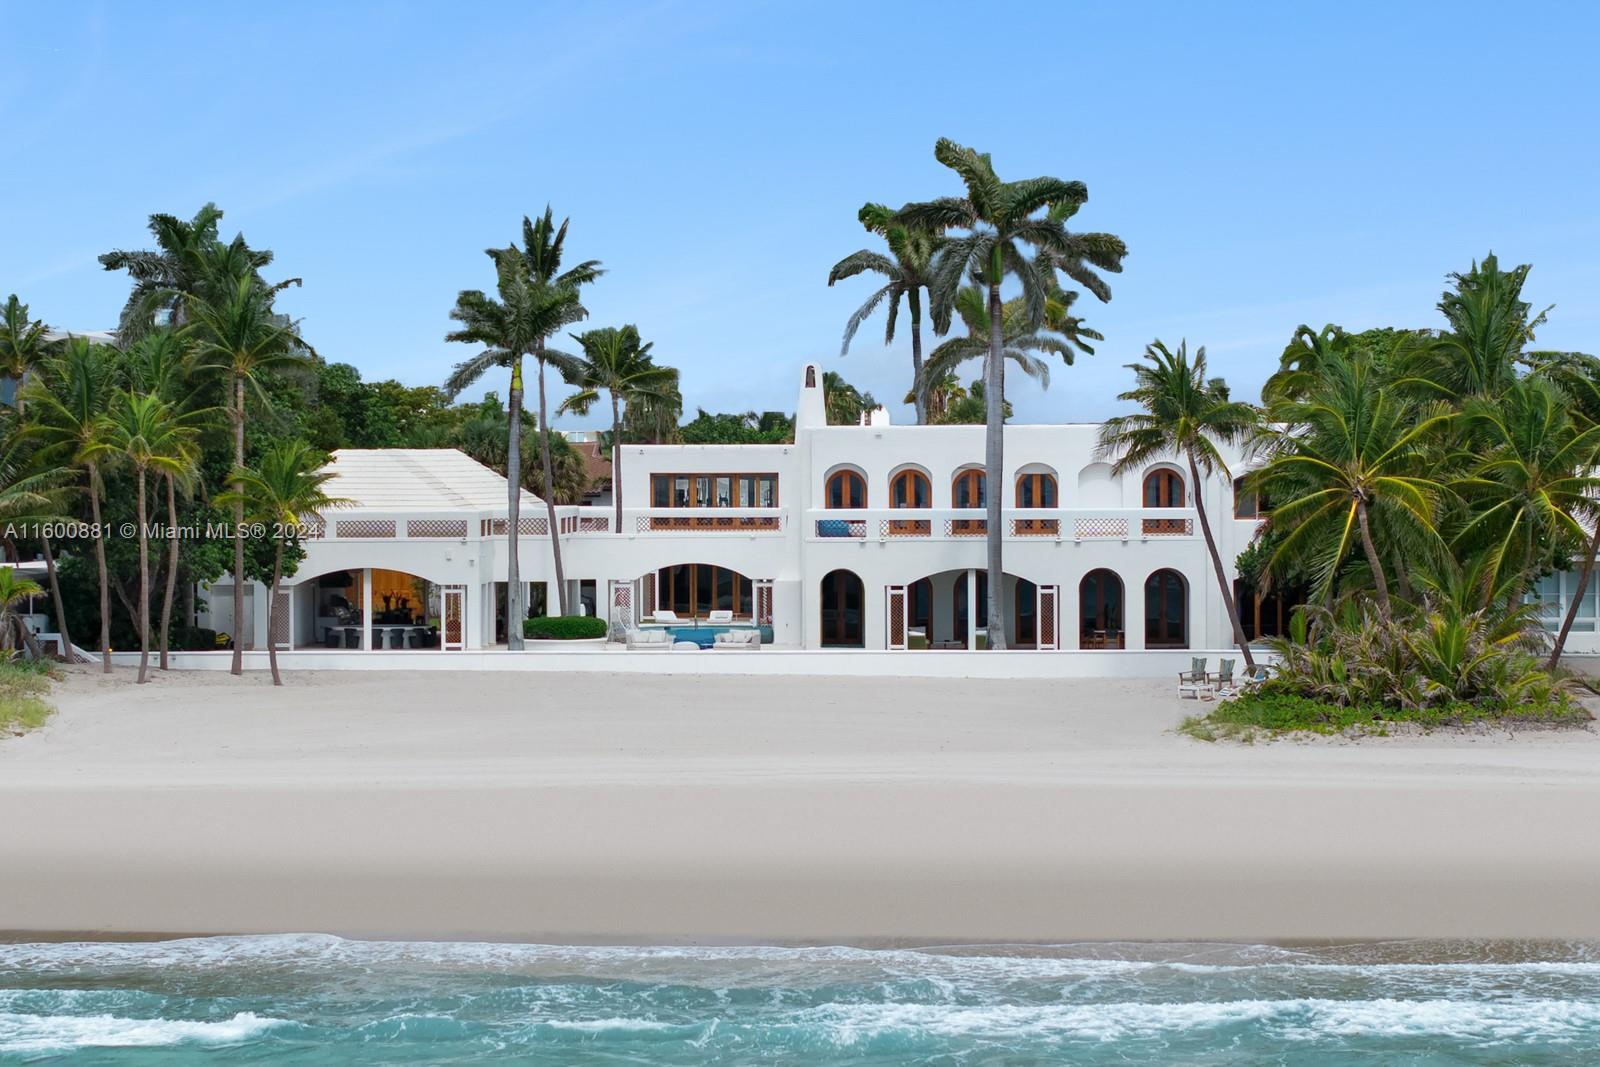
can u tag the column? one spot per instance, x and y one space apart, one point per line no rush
366 608
972 610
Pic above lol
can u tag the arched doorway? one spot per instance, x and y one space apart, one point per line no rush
1100 610
1036 489
1163 488
910 489
1166 610
967 491
843 608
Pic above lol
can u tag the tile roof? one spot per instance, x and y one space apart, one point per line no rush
417 479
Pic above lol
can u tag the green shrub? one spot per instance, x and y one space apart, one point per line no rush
1269 712
23 687
563 628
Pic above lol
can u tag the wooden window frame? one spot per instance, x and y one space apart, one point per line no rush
848 476
909 478
969 475
1035 482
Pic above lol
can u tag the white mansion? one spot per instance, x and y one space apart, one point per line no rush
869 536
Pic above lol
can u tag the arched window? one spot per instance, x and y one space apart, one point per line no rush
1100 610
845 489
811 377
1163 488
967 491
1036 489
910 489
843 604
1166 610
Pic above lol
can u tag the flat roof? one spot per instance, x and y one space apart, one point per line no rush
417 479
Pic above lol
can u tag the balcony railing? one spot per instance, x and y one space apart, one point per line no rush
960 524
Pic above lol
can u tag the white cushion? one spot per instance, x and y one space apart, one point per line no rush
722 615
662 615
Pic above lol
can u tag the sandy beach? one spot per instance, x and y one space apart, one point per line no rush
668 809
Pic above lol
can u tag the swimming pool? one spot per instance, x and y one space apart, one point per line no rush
704 636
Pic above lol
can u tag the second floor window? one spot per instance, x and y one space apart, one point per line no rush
714 490
909 489
1163 489
967 489
846 489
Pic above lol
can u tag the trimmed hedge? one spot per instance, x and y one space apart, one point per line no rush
564 628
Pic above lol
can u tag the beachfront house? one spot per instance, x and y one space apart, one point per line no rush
853 537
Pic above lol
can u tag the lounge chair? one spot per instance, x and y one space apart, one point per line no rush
663 615
1194 681
648 640
721 615
737 641
1222 681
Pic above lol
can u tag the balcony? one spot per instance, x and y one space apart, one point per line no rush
1023 524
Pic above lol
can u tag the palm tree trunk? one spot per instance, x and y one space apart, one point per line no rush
994 464
550 487
1216 566
144 587
616 458
55 597
919 388
238 528
1378 577
272 611
514 609
100 564
1577 599
172 569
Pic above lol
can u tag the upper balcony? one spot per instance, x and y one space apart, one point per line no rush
1023 524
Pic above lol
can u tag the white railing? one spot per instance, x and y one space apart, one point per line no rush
1023 524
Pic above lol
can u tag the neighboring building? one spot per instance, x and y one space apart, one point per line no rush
869 536
596 465
10 385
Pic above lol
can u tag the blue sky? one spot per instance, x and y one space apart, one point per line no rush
1267 164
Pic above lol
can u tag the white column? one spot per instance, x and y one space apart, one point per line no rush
972 610
366 608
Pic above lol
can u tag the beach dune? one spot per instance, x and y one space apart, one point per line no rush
670 809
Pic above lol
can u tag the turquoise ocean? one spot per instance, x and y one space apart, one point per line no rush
312 999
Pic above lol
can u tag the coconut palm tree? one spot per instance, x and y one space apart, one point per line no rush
1006 236
1532 486
1353 454
907 269
509 328
152 436
161 363
33 493
241 339
543 245
615 360
72 401
284 488
1185 414
14 633
843 403
1578 377
24 344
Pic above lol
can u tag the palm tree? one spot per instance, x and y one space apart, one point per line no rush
24 344
543 243
1002 220
1184 414
31 494
280 492
72 403
1354 452
508 329
14 633
616 361
1024 344
160 363
907 268
843 403
1578 376
240 338
190 263
153 437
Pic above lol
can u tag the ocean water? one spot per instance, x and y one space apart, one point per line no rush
323 1000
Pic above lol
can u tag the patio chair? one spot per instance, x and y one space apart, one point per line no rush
737 641
721 615
1194 681
1253 680
663 615
1222 681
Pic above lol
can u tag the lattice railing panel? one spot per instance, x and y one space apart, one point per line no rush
594 523
1035 527
1047 617
965 527
1167 527
1091 528
539 527
897 619
280 622
846 528
312 528
764 603
436 527
905 528
365 527
708 523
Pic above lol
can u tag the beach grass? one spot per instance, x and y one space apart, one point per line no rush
1253 716
23 687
